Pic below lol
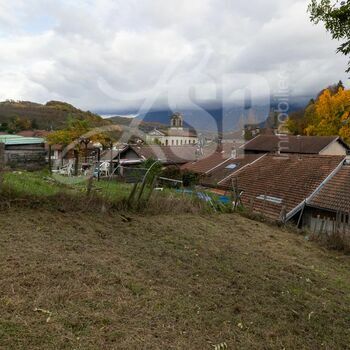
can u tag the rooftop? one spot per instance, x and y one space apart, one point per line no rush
227 168
204 165
267 183
20 140
167 154
335 194
290 143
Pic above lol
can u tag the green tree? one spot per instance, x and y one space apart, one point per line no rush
35 125
19 124
336 18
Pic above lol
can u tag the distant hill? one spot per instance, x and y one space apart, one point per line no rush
52 115
219 119
144 126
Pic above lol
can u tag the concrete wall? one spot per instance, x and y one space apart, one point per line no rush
25 157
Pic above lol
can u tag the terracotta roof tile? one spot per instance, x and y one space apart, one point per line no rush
290 144
276 181
335 194
205 164
167 154
227 168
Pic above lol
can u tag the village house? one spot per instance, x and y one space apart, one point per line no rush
322 145
218 166
175 135
331 204
278 186
127 155
61 154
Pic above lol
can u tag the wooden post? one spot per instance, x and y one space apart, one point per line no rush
283 214
132 194
141 189
76 163
251 205
2 164
151 189
89 185
301 215
98 163
50 165
111 163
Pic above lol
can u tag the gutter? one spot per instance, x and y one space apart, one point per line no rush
305 201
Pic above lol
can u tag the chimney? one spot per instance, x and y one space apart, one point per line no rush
299 146
233 153
219 147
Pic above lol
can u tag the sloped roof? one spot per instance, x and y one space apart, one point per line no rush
59 147
34 133
167 154
225 147
205 164
108 155
20 140
227 168
274 182
290 143
335 194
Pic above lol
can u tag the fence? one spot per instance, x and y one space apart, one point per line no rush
340 224
334 230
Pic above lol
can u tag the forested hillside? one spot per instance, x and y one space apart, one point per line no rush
17 115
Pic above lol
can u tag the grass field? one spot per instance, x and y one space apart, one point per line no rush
42 184
99 281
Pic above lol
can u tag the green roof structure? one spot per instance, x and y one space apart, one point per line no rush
20 140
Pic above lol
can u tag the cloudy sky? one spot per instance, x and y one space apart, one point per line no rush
117 54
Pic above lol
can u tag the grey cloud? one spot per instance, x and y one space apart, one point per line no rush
129 44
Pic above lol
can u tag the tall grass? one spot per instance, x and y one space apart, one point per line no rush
40 189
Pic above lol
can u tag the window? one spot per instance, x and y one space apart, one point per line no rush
231 166
274 200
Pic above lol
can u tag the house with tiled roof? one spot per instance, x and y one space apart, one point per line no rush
278 186
223 171
205 164
322 145
136 154
175 135
217 167
330 202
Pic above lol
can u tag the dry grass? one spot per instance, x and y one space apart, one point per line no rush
166 282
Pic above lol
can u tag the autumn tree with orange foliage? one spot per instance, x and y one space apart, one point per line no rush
330 115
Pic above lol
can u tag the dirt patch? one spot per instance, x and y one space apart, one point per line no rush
100 281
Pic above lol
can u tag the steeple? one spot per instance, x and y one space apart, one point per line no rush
176 121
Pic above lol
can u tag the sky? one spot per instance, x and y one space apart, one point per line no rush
117 55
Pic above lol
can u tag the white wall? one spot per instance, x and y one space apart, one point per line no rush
334 149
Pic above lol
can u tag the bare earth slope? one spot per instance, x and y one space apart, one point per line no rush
187 282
